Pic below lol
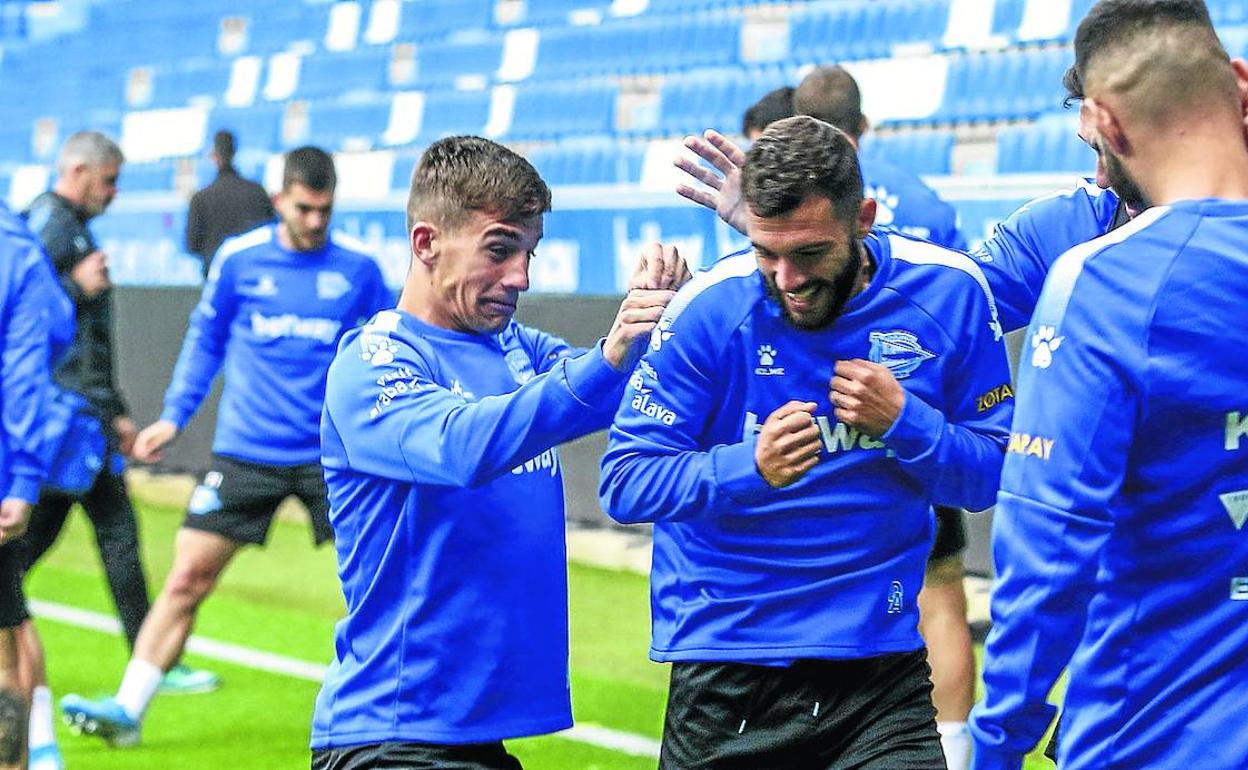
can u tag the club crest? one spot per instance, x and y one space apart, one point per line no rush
900 351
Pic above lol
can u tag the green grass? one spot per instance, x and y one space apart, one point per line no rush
285 599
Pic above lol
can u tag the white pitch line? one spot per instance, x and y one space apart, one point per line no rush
595 735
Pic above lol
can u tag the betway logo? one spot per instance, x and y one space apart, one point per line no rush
835 436
1236 430
290 325
548 460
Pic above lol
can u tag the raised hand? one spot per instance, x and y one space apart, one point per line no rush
724 193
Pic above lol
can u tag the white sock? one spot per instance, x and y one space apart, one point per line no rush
138 687
41 733
955 739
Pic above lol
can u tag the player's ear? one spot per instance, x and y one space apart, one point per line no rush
1101 116
866 216
1241 82
423 241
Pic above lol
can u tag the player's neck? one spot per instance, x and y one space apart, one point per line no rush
1203 163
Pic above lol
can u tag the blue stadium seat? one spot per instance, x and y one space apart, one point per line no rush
335 125
454 112
430 19
176 87
555 110
155 176
443 61
328 74
257 127
1007 15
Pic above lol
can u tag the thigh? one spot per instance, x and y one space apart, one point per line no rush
894 721
108 501
950 541
310 488
12 601
732 716
416 756
47 518
237 500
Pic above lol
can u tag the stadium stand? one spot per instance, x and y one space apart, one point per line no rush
587 88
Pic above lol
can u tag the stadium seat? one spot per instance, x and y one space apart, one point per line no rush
355 126
328 74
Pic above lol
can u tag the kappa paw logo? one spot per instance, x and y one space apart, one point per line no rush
1044 344
766 355
378 351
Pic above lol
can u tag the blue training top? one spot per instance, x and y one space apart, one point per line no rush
1118 541
1024 247
273 317
830 566
904 203
36 318
446 499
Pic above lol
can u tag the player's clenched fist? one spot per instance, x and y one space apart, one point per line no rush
639 314
866 396
788 445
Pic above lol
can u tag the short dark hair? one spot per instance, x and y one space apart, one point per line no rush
462 174
1111 23
223 147
831 94
775 105
311 167
796 158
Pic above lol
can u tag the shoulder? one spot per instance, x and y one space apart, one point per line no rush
1116 261
380 344
1068 206
723 292
240 247
49 212
351 250
919 263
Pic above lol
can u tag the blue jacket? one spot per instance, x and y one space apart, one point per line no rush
1024 247
828 567
34 314
904 203
446 499
1118 541
273 318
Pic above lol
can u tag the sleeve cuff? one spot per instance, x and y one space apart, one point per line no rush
591 379
916 430
25 488
175 416
736 474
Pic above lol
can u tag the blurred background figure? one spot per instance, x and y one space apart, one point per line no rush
229 206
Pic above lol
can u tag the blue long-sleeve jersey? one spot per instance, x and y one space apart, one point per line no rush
1024 247
446 499
35 318
1118 541
273 317
828 567
907 205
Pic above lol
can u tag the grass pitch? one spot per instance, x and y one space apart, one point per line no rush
285 599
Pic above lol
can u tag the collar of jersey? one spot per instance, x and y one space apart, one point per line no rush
422 329
876 244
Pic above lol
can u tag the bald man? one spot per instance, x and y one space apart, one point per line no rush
1117 539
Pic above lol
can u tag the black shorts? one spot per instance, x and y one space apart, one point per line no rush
868 714
416 756
12 601
238 499
950 535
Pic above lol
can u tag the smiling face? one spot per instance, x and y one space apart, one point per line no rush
477 271
810 259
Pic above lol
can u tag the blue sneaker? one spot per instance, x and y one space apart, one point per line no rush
104 718
46 757
184 680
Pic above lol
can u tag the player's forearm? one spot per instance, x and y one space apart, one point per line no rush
959 465
641 482
1045 560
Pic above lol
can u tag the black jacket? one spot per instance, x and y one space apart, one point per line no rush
87 367
229 206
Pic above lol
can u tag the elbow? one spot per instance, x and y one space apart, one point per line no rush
613 497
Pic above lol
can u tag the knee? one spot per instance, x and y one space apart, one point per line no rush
189 585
